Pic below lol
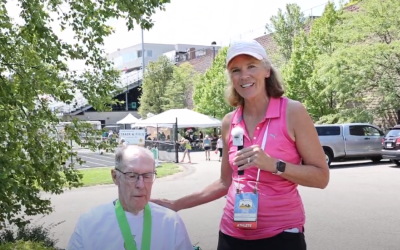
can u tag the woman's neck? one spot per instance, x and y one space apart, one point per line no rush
256 108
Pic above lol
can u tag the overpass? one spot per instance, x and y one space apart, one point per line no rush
128 81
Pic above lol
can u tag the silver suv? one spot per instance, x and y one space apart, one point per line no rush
351 141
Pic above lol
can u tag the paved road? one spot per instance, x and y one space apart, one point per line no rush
359 210
95 160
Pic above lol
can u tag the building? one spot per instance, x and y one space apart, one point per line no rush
129 61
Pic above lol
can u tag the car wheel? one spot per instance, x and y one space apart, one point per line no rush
328 157
397 162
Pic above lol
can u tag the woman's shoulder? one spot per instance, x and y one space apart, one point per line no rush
228 117
294 106
296 112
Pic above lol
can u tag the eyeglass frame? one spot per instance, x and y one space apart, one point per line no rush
138 176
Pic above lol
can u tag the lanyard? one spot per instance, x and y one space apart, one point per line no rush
264 141
126 230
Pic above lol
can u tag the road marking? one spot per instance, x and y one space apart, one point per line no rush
110 162
102 164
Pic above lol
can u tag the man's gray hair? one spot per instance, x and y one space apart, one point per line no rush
120 153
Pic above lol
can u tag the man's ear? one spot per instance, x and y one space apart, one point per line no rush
114 176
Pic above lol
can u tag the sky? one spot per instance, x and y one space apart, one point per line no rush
197 22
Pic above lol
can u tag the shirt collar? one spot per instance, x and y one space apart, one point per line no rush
273 111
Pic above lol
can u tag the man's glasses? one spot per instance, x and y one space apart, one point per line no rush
134 177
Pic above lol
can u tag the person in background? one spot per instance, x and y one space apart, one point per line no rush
220 146
263 208
188 148
207 146
131 220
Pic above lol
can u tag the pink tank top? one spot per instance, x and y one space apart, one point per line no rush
280 206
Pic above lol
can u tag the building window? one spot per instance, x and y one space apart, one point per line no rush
139 53
129 57
149 53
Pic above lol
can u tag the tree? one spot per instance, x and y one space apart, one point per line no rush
33 70
284 27
209 91
365 66
178 93
157 75
300 71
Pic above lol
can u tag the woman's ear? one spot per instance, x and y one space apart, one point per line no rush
268 72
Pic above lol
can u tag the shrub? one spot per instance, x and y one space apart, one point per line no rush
24 245
30 233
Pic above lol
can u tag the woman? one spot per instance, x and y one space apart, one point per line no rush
289 136
188 148
207 147
220 146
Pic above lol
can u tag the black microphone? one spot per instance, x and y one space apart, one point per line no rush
237 135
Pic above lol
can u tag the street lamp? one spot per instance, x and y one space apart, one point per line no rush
213 44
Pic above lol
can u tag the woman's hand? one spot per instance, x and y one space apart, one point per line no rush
165 203
254 156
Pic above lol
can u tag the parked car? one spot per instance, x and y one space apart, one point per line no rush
352 141
391 145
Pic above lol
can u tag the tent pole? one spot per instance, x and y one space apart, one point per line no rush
176 139
158 144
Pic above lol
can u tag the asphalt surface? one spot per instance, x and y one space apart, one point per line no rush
359 210
94 159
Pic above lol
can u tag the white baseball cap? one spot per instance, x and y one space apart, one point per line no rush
246 47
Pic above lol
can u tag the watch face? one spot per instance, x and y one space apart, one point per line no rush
281 166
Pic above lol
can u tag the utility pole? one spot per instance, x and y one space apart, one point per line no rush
143 53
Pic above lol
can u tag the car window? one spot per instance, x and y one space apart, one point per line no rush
393 133
328 130
357 130
371 131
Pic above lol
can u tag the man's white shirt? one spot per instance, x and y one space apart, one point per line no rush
98 229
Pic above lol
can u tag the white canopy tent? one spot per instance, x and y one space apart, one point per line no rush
129 119
186 118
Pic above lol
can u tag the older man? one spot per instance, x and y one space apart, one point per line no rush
131 222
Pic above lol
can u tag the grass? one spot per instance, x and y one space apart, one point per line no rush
100 176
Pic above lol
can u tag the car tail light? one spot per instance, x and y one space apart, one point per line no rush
398 141
383 141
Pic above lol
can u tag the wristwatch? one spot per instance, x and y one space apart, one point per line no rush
280 167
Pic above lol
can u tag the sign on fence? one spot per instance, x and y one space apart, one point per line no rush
133 136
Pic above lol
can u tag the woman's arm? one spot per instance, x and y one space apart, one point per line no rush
315 172
215 190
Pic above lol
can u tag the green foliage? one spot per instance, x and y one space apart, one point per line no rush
209 90
364 70
33 236
346 69
285 26
352 2
24 245
300 71
157 75
32 64
179 89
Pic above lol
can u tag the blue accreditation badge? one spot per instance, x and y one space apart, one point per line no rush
245 211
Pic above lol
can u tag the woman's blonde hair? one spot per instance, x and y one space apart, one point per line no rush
273 87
